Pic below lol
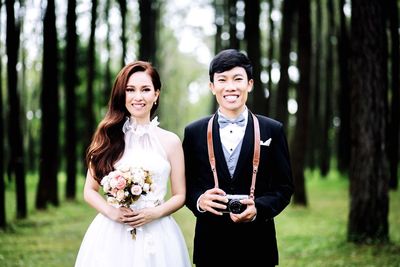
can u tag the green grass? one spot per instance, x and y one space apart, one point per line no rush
312 236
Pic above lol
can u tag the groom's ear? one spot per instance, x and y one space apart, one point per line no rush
211 86
250 85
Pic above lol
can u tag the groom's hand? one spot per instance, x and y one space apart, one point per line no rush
248 215
212 200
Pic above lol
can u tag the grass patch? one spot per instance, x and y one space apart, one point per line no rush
312 236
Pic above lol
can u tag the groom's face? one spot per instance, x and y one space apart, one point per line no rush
231 89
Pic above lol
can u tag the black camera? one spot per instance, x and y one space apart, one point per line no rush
234 204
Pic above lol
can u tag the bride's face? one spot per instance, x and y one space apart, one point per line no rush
140 96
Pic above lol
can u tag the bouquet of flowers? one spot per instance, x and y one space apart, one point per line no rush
126 184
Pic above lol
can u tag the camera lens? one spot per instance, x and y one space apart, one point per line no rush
235 206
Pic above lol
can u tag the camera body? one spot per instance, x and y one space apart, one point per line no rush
234 204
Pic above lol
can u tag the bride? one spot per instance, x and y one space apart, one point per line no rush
144 232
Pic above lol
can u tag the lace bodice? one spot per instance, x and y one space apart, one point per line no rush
143 149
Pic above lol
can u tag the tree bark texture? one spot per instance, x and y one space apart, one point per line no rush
393 133
258 101
14 128
3 218
343 155
299 141
289 11
49 157
123 10
369 172
148 22
325 155
70 84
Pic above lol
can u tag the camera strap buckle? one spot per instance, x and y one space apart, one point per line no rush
256 153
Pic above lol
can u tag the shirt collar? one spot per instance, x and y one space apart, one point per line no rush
245 114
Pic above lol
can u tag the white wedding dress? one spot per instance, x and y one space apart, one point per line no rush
160 243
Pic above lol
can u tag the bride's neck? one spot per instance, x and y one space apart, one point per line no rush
141 121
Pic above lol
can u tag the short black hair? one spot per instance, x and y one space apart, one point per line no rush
229 59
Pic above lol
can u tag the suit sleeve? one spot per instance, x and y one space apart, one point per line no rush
193 187
274 200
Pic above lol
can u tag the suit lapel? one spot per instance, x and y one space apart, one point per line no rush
247 147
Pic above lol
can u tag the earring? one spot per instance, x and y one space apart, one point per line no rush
155 102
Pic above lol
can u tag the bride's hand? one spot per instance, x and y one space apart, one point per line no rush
140 217
118 214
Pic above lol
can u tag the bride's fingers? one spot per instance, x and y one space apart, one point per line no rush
132 218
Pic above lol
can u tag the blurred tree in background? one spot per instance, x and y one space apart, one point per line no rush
328 70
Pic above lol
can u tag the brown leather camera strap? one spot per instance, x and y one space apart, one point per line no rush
256 153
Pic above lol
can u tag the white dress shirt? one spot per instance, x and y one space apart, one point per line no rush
232 134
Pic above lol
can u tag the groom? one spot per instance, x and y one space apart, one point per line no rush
235 153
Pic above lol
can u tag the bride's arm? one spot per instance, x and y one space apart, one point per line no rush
178 184
92 196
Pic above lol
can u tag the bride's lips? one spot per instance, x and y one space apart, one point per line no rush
138 105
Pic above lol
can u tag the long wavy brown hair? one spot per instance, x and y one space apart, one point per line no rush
108 143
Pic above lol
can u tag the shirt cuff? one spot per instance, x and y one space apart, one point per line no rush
198 206
254 218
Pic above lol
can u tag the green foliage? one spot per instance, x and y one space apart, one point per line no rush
179 72
312 236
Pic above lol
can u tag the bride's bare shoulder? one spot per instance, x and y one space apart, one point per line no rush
168 138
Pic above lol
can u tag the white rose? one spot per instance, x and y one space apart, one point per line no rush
104 180
138 173
112 200
146 187
153 187
124 168
106 186
113 182
120 195
127 175
136 190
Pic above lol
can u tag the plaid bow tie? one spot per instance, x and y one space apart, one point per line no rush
239 121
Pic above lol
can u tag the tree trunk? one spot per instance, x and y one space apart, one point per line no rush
233 40
270 56
329 91
70 83
219 14
15 134
299 142
123 9
91 69
393 146
314 138
48 167
3 219
369 170
289 8
343 155
258 102
107 73
148 22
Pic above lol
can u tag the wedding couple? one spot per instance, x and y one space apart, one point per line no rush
236 164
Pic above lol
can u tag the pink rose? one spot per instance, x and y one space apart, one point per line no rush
121 182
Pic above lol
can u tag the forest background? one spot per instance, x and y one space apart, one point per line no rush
327 69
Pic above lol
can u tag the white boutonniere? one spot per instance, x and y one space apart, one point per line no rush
266 143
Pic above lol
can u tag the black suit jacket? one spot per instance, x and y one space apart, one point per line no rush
218 237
